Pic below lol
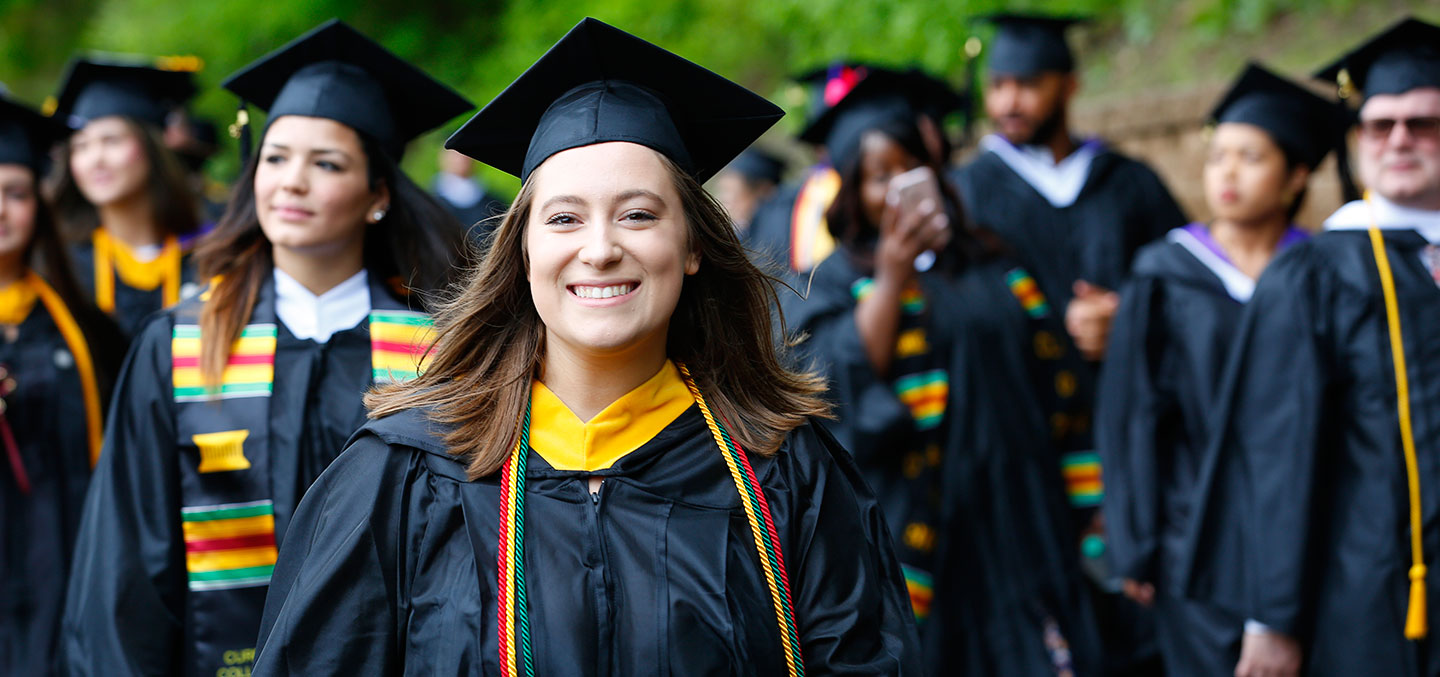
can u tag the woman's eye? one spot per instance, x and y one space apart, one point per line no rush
327 165
274 159
638 215
561 220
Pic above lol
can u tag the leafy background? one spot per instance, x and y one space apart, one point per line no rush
479 46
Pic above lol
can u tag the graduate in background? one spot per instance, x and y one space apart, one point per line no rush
1319 515
123 196
1177 320
927 335
746 184
1075 210
476 208
606 469
789 229
232 403
58 358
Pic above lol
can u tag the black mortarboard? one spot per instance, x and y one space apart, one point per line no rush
599 84
25 135
134 88
886 100
1026 45
335 72
1403 57
758 165
1306 126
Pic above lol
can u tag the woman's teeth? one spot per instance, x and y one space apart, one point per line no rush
603 292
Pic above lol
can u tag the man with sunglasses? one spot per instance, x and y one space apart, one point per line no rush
1320 509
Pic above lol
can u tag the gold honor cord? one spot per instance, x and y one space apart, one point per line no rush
1415 619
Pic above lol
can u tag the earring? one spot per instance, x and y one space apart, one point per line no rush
379 214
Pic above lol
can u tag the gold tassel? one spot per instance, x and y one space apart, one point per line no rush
1415 623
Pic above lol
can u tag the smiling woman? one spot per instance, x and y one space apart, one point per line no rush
608 378
234 402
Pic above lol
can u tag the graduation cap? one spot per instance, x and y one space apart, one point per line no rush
886 100
1026 45
130 87
26 135
1405 56
599 84
1306 126
335 72
758 165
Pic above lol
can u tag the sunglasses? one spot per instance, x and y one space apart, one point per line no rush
1423 128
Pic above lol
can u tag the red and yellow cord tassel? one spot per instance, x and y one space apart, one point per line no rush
513 627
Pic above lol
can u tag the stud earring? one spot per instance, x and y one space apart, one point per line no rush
379 214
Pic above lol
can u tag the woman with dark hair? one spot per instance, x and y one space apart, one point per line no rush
1178 318
58 359
940 354
606 468
122 195
233 402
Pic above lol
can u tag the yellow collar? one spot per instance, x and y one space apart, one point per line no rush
137 274
16 300
567 443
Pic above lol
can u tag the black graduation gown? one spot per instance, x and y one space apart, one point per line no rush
132 306
389 567
46 413
1304 524
1154 420
1005 560
768 237
127 608
1122 206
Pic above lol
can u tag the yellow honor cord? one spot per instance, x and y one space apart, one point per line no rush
1415 619
163 272
80 350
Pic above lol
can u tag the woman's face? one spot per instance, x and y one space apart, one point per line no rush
18 203
312 186
107 159
608 249
1246 178
881 159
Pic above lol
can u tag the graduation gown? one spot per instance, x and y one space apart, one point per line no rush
1154 421
133 305
44 405
1304 522
1121 206
788 231
1004 561
178 530
389 566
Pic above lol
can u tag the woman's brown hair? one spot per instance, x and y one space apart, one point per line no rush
176 210
491 342
416 246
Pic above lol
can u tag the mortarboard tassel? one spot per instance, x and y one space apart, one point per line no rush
241 130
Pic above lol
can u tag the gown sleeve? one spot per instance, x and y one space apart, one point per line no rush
127 585
1259 501
852 609
867 411
334 605
1127 413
